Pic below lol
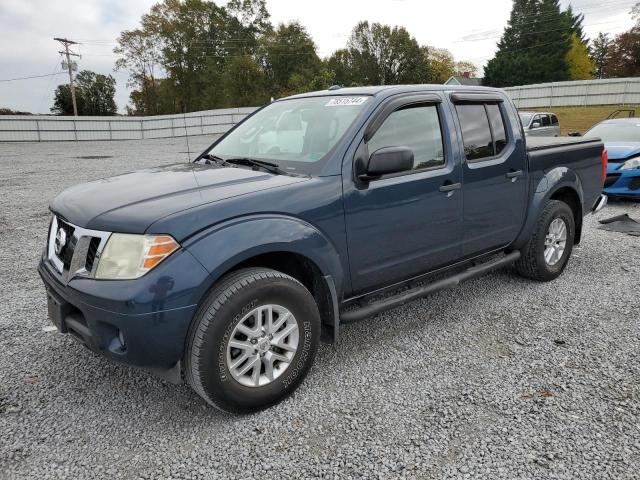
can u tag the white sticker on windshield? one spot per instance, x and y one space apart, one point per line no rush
345 101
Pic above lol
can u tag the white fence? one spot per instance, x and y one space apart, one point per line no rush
43 128
579 93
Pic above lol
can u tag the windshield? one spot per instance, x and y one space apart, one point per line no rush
525 118
295 134
616 132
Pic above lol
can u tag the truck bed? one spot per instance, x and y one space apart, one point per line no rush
577 156
541 143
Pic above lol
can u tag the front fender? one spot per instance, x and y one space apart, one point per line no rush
544 189
227 244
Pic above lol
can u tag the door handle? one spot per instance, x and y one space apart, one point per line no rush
514 174
448 187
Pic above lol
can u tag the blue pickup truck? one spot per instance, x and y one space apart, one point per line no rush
315 211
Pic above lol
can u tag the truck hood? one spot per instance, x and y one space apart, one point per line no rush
621 151
131 202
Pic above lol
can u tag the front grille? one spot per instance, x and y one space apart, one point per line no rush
66 254
80 252
92 251
634 184
611 179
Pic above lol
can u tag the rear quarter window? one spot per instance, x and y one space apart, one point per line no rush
497 126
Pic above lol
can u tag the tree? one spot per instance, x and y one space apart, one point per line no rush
534 45
378 54
8 111
443 65
623 55
581 67
244 83
191 44
94 95
623 59
466 67
139 54
599 53
290 60
97 93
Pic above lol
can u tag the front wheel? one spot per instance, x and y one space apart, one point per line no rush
546 254
253 340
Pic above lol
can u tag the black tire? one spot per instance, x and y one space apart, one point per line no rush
532 263
234 296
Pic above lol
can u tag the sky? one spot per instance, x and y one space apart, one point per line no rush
468 28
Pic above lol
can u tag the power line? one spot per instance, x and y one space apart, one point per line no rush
54 72
29 78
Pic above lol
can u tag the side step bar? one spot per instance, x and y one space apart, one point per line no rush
374 308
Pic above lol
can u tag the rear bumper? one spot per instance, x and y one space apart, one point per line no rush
152 340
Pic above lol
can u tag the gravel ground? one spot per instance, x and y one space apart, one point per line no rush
499 377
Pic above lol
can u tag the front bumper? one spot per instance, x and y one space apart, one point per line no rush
623 183
142 322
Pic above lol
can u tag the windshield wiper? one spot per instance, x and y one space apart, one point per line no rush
252 162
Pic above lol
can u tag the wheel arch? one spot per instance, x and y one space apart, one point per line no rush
284 244
570 196
560 183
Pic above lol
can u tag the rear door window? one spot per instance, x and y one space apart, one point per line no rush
483 130
476 133
554 121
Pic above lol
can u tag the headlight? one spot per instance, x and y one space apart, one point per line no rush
129 256
631 164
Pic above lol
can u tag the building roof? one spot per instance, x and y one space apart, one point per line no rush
466 81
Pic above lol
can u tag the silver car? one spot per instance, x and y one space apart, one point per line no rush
540 124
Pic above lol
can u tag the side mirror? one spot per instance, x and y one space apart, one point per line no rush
535 125
385 161
574 134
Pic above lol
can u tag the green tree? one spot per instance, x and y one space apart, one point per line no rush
290 59
94 95
63 103
98 93
192 44
599 53
139 53
244 83
378 54
581 67
534 45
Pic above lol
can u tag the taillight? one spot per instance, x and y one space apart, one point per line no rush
605 161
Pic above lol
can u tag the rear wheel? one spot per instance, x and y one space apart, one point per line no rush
253 340
546 254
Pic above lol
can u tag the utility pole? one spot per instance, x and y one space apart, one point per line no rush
69 54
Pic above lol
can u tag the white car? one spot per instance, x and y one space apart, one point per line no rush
540 124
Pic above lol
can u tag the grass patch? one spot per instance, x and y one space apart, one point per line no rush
580 119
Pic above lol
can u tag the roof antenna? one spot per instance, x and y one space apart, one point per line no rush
186 133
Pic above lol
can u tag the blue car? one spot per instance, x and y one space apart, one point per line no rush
621 137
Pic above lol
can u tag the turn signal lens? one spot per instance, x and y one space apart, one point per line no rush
605 163
129 256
